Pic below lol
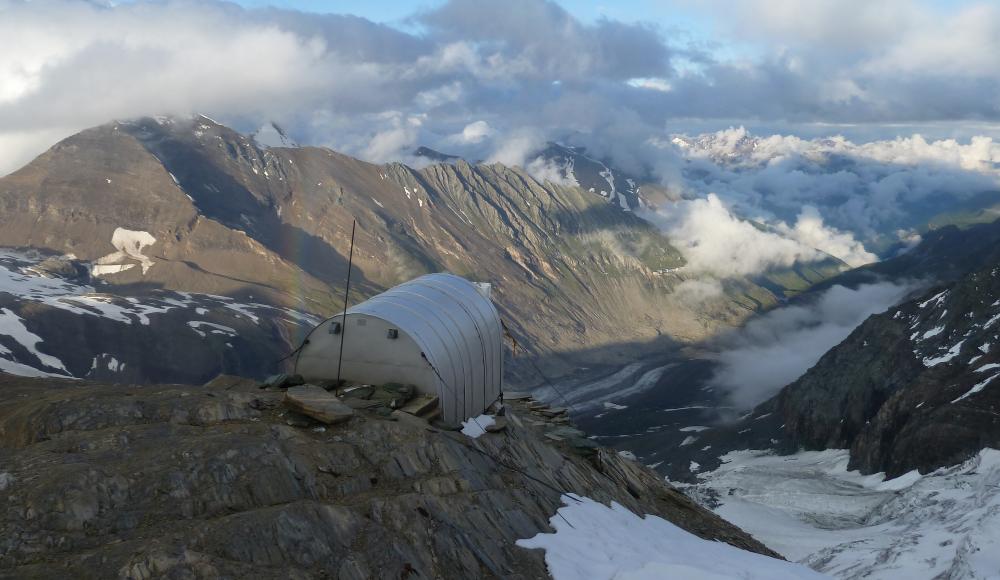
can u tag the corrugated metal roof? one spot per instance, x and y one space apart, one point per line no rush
459 331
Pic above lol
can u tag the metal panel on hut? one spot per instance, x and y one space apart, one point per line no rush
439 333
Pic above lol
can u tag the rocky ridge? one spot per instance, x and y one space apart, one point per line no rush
911 388
215 482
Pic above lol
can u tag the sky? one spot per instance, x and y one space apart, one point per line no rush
492 80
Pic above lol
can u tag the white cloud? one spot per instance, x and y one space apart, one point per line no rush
327 79
544 170
474 132
517 146
810 231
773 350
838 193
839 23
716 242
390 143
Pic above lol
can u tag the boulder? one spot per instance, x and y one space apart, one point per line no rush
317 403
282 381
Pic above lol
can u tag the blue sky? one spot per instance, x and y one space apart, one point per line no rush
663 13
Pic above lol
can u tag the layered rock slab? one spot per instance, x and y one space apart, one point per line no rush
209 482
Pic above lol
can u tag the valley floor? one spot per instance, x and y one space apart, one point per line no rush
809 508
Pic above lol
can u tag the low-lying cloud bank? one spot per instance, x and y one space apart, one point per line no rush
752 203
773 350
870 189
714 241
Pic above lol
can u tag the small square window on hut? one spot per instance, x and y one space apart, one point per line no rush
334 328
393 333
362 322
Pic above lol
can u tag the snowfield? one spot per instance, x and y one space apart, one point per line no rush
593 541
19 278
809 508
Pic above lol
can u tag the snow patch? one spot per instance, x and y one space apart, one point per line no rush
952 353
976 388
599 542
810 509
204 328
13 326
932 333
129 244
936 299
476 426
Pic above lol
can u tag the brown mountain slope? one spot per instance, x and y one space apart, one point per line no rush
190 205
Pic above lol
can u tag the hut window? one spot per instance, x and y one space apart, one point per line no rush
334 328
392 334
362 322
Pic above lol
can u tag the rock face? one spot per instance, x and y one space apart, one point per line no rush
192 206
910 388
916 387
104 481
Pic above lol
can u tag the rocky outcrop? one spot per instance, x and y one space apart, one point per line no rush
105 481
916 387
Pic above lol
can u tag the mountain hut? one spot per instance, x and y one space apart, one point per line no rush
439 333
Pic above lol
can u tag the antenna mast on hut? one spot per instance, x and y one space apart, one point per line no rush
347 289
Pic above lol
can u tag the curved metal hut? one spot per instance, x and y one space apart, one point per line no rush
439 333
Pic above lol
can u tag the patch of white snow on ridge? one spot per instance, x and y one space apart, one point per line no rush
600 542
976 388
809 508
11 325
936 299
23 370
476 426
130 244
19 279
103 270
932 333
952 353
204 328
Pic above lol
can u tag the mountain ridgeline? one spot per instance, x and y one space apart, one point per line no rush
180 212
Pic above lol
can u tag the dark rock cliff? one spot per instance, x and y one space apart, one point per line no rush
916 387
